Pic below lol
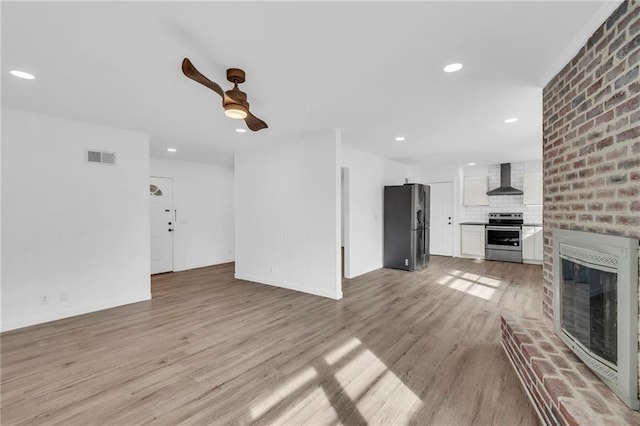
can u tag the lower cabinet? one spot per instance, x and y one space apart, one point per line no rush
532 244
472 241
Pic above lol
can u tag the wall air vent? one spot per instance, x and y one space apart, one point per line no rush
101 157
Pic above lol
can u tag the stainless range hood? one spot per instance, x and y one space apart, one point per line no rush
505 187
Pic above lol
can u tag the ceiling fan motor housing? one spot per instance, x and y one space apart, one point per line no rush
235 75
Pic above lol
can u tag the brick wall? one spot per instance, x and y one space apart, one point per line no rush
591 138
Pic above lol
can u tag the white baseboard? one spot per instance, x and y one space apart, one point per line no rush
471 256
202 265
80 310
289 286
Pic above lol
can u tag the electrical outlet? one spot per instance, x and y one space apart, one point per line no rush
64 296
44 300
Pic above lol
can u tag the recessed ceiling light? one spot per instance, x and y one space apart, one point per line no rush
241 130
453 67
400 138
471 164
171 149
22 74
511 120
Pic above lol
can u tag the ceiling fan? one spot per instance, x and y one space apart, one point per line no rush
234 101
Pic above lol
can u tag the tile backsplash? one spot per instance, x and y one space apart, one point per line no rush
503 203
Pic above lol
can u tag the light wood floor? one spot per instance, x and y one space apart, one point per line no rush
400 348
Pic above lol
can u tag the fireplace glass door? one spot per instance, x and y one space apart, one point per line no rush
589 308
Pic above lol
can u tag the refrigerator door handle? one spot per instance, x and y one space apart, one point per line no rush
424 242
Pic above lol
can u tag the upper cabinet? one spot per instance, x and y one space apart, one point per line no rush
532 188
475 191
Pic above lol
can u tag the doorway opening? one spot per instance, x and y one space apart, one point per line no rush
344 220
162 219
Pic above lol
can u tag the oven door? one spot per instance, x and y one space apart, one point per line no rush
503 237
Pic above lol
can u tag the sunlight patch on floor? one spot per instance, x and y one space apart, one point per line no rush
316 404
469 283
481 291
489 281
376 408
284 391
469 276
371 387
353 380
444 280
460 285
338 353
364 379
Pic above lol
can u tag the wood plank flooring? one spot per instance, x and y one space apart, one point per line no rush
400 348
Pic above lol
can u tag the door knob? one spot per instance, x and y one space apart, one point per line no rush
170 230
169 223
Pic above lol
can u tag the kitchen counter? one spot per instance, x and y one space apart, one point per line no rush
531 224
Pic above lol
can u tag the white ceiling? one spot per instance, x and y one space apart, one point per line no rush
372 69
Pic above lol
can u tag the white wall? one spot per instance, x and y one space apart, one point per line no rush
72 230
368 174
203 197
287 199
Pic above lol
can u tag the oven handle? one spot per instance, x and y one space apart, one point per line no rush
503 228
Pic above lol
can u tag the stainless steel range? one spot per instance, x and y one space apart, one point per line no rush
503 237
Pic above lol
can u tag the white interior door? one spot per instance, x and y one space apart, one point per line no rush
441 241
162 224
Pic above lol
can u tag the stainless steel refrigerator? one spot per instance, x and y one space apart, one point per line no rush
406 226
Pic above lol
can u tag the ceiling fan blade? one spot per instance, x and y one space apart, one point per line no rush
190 71
254 123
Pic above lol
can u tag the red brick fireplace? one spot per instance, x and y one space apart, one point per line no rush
591 151
591 144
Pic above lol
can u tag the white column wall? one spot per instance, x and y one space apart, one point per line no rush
73 232
287 199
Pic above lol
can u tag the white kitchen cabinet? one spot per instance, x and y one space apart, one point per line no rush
532 244
475 191
532 189
472 241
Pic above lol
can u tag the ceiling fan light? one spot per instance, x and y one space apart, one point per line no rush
235 111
